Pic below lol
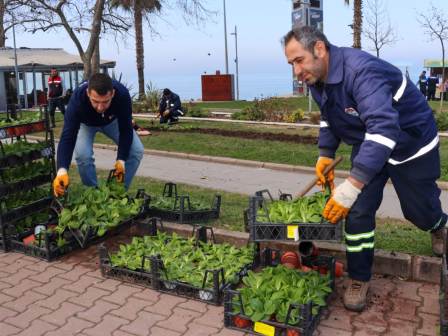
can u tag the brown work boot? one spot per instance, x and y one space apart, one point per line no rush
437 242
355 296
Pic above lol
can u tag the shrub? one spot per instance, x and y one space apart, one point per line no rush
315 117
442 121
193 110
150 103
252 112
239 115
294 116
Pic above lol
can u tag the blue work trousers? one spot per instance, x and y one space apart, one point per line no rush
419 195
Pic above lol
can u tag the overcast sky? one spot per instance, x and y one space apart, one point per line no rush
182 49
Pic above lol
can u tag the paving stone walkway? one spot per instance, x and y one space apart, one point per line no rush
70 297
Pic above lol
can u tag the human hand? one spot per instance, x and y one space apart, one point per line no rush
322 163
60 183
119 171
342 199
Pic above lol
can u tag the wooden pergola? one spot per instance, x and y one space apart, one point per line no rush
33 65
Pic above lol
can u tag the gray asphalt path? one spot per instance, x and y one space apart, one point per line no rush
239 179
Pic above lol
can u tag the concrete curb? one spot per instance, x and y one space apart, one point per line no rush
246 163
402 265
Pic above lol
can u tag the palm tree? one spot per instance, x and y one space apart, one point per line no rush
140 9
357 22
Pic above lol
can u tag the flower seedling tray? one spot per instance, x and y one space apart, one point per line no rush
262 229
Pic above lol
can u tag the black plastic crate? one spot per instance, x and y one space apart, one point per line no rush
214 295
90 237
26 210
22 129
27 184
140 276
443 297
155 279
74 238
307 321
182 211
49 250
12 160
269 231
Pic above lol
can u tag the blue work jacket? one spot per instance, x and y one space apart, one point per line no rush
369 104
80 110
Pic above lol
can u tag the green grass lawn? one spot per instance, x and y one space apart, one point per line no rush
391 235
296 102
249 149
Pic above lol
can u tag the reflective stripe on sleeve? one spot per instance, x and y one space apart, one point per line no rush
360 247
323 124
400 91
421 151
382 140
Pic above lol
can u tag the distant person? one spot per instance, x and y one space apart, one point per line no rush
100 105
55 95
170 107
422 82
445 89
432 85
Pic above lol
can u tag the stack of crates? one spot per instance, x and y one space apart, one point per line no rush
263 231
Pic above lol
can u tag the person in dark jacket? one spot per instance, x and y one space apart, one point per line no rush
170 107
55 95
422 82
100 105
369 104
432 83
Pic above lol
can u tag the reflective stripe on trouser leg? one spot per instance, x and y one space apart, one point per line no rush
360 228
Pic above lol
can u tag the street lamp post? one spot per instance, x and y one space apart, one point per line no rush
225 38
235 33
16 68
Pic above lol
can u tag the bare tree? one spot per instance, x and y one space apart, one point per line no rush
377 27
79 18
7 21
435 25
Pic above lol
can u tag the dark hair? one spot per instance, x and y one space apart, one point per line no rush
166 92
307 36
101 83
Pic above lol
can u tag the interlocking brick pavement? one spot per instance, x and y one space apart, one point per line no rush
69 297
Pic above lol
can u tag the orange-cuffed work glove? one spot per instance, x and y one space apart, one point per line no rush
342 199
119 170
60 182
321 164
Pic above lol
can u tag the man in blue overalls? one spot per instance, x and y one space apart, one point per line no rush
368 103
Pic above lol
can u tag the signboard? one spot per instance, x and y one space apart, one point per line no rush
316 18
298 17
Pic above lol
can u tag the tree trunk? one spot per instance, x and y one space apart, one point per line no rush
94 36
357 23
139 49
87 69
443 78
2 22
96 58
